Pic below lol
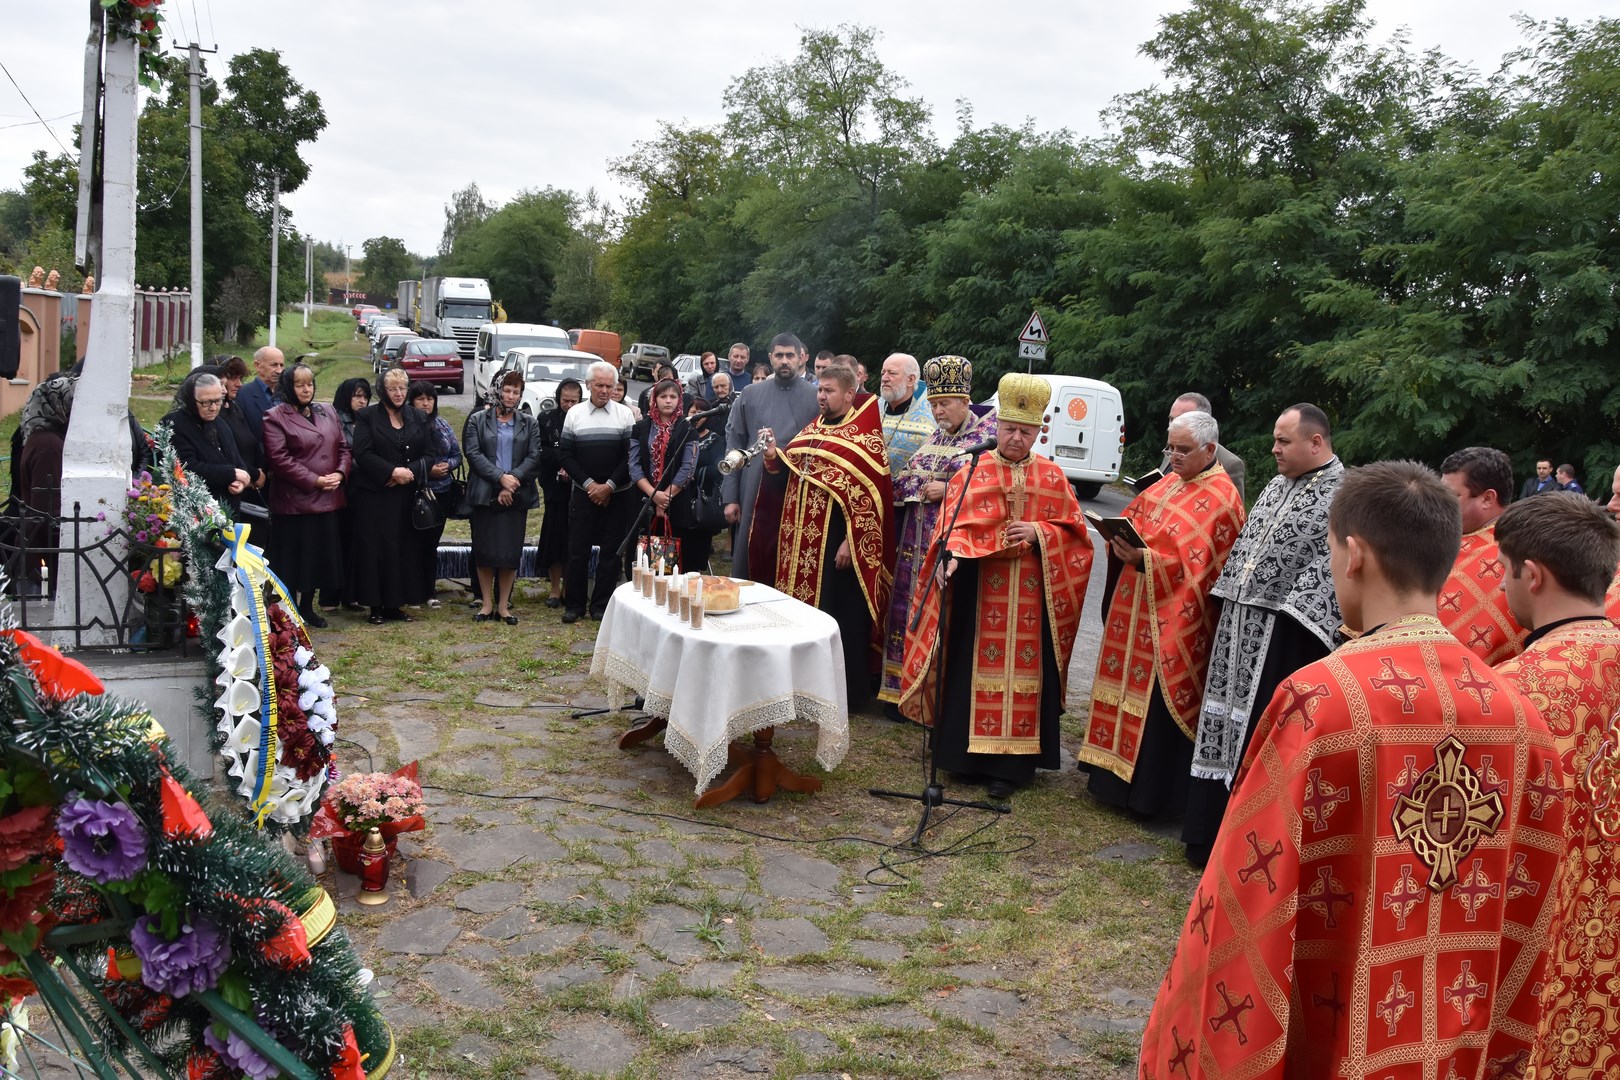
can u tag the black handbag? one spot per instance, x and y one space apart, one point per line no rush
425 510
453 500
700 508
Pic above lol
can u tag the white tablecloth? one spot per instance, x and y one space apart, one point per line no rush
774 661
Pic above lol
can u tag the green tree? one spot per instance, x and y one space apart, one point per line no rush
466 209
580 296
387 263
270 116
518 249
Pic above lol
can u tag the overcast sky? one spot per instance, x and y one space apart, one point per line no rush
422 97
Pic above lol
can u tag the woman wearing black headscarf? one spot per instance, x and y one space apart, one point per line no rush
37 480
552 546
309 461
352 396
205 446
393 453
424 398
503 460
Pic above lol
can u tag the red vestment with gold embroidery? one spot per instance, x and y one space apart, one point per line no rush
1160 621
1572 675
1377 900
841 467
1019 586
1472 603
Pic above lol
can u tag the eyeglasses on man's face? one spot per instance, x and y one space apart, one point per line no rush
216 402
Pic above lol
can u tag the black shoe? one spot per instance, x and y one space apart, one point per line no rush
483 616
891 711
572 616
597 613
1000 790
314 619
510 620
375 620
553 601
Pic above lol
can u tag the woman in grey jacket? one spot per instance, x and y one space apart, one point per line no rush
503 460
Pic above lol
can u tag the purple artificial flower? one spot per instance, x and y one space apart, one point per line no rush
102 516
235 1052
191 962
140 537
101 840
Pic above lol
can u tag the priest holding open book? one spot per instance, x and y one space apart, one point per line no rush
1159 622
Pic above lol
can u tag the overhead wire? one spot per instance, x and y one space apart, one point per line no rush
31 123
31 108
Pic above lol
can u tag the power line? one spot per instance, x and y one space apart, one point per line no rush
196 23
31 108
209 4
31 123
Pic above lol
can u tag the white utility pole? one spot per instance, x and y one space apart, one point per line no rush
95 464
275 254
309 277
348 277
194 76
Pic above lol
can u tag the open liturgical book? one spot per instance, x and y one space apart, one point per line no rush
1146 480
1111 527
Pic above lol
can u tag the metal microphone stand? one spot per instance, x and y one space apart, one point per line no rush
934 794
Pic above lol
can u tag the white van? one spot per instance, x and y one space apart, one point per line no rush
495 340
1083 431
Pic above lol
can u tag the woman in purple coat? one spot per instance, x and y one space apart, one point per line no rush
309 460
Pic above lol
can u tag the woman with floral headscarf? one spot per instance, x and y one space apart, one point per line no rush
424 398
663 453
309 460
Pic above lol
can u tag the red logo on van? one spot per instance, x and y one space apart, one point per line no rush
1077 408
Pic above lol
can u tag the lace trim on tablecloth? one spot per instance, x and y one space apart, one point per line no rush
625 680
832 741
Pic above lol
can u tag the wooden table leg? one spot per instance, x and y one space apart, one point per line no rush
642 732
759 776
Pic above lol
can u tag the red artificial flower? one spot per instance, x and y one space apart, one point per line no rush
348 1065
290 946
26 904
60 677
182 816
26 835
203 1064
146 582
15 987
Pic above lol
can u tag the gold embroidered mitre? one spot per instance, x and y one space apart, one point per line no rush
948 376
1022 399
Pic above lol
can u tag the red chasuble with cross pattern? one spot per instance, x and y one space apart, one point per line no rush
1378 900
1019 586
1160 620
1472 603
1572 675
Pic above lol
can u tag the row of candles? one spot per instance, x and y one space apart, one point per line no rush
681 594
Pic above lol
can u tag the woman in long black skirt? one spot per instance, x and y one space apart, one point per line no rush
503 462
352 396
393 453
424 397
554 485
309 462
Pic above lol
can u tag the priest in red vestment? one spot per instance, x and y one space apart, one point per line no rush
1560 553
1472 604
998 644
1377 900
835 540
1158 625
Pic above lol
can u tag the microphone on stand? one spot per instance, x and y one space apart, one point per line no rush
978 448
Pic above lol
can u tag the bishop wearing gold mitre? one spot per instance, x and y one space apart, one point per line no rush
1377 899
997 636
1158 627
1560 551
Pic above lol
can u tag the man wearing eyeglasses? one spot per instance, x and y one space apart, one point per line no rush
783 404
1159 625
1192 401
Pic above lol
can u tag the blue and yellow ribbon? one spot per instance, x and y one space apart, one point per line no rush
251 571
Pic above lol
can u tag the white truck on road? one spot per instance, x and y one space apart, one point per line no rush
454 307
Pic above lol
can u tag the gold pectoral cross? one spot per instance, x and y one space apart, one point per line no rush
1017 496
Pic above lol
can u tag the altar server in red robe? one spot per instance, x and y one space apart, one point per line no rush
1004 630
1560 553
1472 603
1377 901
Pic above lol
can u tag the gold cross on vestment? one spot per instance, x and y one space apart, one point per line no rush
1017 496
